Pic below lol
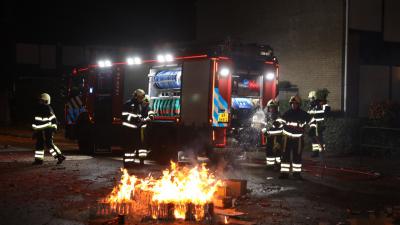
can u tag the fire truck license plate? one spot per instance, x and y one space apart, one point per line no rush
223 117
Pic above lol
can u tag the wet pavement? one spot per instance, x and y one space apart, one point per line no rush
68 193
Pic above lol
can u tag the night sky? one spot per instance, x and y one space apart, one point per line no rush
104 23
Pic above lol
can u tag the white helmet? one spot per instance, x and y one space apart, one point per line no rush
312 95
46 98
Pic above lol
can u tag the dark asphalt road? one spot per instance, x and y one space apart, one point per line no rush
67 193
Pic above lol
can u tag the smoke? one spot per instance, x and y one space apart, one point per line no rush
258 119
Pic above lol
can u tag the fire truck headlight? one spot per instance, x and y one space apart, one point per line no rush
101 63
160 58
169 58
224 72
270 76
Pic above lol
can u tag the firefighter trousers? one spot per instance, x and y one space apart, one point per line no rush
291 155
273 150
44 138
137 147
317 142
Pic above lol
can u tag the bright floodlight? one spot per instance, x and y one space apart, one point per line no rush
160 58
224 72
137 60
270 76
107 63
130 61
134 61
101 63
169 58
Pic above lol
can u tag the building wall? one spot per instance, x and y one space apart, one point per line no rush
396 84
391 21
374 81
307 37
365 15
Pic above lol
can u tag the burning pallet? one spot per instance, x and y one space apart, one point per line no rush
142 207
181 193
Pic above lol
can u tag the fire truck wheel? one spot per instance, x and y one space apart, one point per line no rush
85 146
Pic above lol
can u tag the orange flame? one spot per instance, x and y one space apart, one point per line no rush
125 190
225 219
178 185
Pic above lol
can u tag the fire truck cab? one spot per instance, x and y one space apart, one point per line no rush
197 98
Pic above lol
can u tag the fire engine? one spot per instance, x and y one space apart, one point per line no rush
198 97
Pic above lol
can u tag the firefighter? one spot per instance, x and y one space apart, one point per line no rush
44 125
318 109
294 122
273 132
136 116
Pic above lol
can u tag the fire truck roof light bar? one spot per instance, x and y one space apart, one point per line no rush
165 58
104 63
134 61
145 61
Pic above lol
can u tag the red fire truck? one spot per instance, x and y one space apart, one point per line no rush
193 96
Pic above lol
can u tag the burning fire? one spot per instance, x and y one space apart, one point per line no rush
186 189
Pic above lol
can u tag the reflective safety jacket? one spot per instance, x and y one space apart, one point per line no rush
319 111
294 122
44 118
135 114
134 107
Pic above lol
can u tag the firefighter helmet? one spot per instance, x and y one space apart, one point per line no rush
272 103
139 94
295 99
45 98
312 95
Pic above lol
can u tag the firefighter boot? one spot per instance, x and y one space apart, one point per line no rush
283 176
277 167
37 162
142 155
315 154
60 158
